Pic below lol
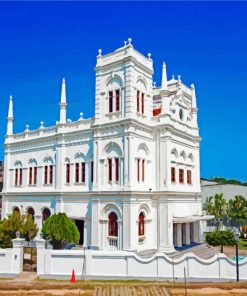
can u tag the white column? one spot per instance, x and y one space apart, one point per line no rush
40 245
85 242
127 161
120 235
179 235
59 169
165 228
38 221
95 230
121 171
17 255
187 240
95 165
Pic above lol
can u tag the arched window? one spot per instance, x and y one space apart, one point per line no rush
46 213
31 212
112 224
141 228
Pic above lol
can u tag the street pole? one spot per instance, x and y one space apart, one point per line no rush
237 266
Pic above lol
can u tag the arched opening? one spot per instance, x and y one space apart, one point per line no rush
141 227
46 213
112 224
31 212
16 210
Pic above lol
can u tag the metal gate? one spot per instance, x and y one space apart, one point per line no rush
30 259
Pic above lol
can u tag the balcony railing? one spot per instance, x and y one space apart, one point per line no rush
113 241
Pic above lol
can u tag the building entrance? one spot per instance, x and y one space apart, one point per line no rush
80 226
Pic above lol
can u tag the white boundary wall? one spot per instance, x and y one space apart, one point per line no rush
11 260
126 265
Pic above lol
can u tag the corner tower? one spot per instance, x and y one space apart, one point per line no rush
123 85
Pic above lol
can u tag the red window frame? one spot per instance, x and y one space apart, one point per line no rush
20 180
141 224
110 101
83 172
143 170
51 174
173 174
189 177
67 173
112 224
142 103
117 99
109 169
35 176
30 176
181 176
138 169
16 177
77 172
138 101
92 173
46 175
117 169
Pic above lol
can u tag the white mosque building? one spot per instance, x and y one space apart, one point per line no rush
130 176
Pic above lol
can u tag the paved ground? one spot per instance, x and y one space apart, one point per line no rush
128 290
27 284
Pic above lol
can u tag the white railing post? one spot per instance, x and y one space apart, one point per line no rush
17 255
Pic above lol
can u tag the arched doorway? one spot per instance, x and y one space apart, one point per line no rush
46 213
113 230
31 212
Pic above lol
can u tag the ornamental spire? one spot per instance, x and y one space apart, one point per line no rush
63 103
10 118
193 105
164 77
193 99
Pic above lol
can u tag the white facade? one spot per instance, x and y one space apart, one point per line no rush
138 158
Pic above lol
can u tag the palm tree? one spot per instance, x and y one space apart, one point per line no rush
220 209
208 205
217 206
238 209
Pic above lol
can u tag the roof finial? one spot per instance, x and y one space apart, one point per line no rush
129 41
63 103
193 105
10 118
99 52
164 77
27 128
193 98
81 117
149 56
41 125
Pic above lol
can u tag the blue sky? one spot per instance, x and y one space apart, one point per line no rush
204 42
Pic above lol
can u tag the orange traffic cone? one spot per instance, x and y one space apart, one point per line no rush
72 280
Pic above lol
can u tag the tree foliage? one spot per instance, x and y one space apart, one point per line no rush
59 230
17 222
222 180
220 238
238 209
217 206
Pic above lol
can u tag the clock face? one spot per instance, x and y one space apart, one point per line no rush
181 114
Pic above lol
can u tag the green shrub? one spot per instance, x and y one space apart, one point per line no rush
59 230
220 238
17 222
